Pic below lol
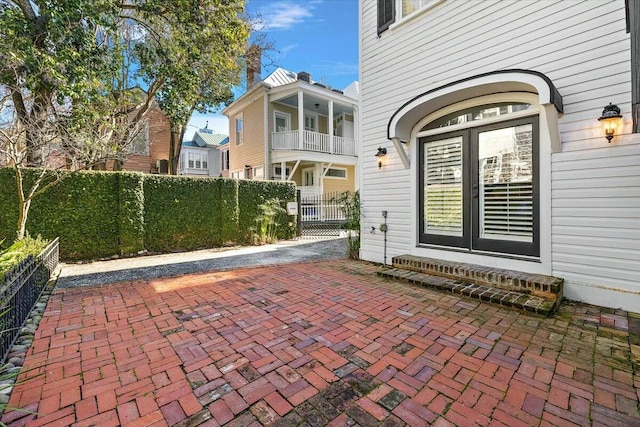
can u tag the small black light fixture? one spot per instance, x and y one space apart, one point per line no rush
610 120
380 154
317 106
247 166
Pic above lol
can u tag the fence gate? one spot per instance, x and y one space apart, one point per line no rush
320 215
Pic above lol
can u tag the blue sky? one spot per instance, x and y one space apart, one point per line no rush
316 36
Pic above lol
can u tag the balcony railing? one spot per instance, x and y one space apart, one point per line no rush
313 141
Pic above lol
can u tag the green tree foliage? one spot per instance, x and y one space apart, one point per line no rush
77 77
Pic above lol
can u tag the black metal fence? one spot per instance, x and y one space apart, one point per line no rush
321 215
20 288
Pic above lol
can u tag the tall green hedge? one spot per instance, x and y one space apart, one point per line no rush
252 194
101 214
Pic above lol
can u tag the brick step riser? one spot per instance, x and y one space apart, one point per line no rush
495 278
506 298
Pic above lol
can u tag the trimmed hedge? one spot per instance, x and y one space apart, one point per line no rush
101 214
251 195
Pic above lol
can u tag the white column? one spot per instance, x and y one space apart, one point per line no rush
300 120
283 171
330 120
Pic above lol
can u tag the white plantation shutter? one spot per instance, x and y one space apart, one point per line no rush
506 184
443 187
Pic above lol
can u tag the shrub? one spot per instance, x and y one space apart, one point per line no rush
19 251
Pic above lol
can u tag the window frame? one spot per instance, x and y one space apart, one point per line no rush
345 177
239 132
279 175
224 158
283 115
142 134
470 240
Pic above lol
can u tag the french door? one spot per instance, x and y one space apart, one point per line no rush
479 188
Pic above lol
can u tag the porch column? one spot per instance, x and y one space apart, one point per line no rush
283 171
300 120
330 120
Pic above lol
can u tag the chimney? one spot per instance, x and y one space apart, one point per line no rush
254 65
304 76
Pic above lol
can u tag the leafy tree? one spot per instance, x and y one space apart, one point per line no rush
77 77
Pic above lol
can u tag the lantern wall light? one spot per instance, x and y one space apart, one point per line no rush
380 154
611 119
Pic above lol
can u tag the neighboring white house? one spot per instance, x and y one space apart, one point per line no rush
488 111
201 156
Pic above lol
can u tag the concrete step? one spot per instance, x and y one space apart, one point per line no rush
531 292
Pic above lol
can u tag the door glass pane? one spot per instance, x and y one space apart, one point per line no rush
505 172
443 187
476 113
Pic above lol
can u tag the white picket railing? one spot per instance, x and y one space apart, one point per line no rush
313 141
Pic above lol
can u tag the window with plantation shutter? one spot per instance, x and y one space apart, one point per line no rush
443 186
385 14
506 187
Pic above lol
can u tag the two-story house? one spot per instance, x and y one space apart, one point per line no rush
202 155
491 114
288 127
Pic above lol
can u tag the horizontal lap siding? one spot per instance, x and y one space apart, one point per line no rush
251 151
582 46
596 217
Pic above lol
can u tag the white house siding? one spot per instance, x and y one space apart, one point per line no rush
596 224
582 46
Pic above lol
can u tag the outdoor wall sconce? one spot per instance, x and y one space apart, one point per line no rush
380 154
610 119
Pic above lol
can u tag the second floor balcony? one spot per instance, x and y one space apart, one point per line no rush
307 140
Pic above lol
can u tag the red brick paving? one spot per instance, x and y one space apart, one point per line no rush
324 343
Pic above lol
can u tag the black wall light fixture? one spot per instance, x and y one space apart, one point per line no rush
380 154
610 120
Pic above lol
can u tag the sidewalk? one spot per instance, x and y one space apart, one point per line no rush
320 343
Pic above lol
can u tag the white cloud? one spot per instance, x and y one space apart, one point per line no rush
287 49
283 15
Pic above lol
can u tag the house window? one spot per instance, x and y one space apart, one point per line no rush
336 173
479 186
277 171
239 130
258 172
197 161
225 160
282 121
140 141
237 174
390 11
311 122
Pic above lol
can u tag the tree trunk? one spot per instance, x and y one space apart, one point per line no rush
24 205
174 149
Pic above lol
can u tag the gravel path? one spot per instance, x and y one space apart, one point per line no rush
176 264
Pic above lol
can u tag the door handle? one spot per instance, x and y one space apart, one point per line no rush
475 193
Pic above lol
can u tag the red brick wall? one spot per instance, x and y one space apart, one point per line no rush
159 140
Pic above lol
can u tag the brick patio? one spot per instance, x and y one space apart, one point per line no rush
322 343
